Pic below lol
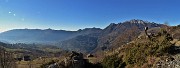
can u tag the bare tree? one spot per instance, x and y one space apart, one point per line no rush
6 59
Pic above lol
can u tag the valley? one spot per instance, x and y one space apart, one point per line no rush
125 44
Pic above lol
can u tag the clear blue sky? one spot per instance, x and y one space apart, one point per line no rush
78 14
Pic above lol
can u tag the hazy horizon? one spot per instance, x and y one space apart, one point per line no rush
44 28
73 15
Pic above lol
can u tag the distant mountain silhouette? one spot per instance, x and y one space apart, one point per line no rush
83 40
42 36
35 35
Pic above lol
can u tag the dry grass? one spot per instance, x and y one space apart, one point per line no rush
177 43
92 59
36 63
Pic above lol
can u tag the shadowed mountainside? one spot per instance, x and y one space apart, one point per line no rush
118 34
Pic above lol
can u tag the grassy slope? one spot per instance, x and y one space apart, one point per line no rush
143 52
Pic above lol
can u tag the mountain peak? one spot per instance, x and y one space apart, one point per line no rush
137 21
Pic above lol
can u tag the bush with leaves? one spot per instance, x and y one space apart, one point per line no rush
113 62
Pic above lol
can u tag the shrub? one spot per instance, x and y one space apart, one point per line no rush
113 62
178 25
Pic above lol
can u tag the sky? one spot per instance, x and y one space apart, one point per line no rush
78 14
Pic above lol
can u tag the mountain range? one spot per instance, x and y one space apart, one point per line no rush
86 40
